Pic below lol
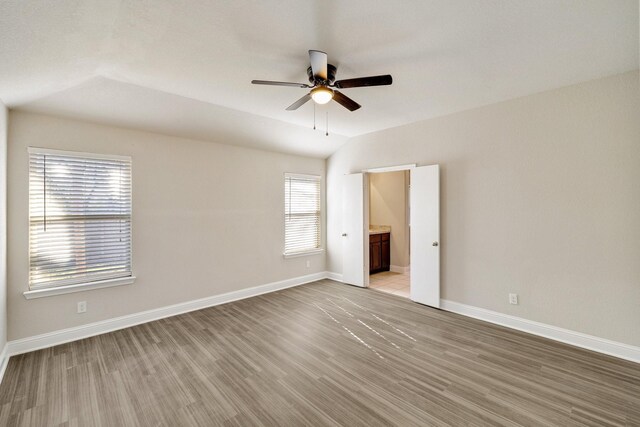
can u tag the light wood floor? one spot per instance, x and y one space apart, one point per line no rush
318 354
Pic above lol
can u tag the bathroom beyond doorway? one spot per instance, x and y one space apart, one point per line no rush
389 214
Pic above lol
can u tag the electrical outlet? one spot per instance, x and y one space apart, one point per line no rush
308 263
82 307
513 299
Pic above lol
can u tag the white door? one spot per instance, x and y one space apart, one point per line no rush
354 250
425 235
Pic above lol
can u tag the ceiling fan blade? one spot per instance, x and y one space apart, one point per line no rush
270 83
318 60
299 102
364 81
345 101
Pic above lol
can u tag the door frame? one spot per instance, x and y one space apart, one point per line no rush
366 173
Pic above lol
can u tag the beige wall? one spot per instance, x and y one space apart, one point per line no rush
207 219
387 206
3 225
539 196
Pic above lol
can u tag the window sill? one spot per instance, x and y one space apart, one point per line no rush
80 287
305 253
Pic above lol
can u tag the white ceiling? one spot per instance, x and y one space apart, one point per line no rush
184 67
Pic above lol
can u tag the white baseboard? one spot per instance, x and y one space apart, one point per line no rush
399 269
334 276
24 345
51 339
578 339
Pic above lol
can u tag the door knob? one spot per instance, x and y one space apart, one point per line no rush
344 234
434 244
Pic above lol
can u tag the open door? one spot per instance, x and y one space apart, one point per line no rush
355 254
425 235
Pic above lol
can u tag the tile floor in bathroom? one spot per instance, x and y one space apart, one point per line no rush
391 283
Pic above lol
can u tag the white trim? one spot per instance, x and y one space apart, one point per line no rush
390 168
578 339
400 269
4 360
51 339
303 253
334 276
38 150
24 345
79 287
303 176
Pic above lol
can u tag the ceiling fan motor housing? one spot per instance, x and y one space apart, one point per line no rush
331 75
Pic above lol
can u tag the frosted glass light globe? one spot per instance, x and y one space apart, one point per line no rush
321 95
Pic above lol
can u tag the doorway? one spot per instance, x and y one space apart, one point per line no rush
389 232
423 223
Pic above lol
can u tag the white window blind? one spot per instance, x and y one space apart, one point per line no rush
302 213
79 218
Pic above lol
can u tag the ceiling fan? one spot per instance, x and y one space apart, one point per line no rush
322 77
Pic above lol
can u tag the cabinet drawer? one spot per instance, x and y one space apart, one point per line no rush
374 238
385 237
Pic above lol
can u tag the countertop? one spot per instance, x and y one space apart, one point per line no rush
379 229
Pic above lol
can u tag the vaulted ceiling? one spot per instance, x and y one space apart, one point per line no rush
184 66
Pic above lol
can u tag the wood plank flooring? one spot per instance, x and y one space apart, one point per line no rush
318 354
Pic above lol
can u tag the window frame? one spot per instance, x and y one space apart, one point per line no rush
45 291
310 251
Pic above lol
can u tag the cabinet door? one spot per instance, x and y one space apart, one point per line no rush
375 261
385 255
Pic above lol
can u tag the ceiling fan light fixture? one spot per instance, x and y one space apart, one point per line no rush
321 95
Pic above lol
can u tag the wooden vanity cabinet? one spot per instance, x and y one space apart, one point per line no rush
379 252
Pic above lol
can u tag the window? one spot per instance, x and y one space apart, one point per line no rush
79 218
301 214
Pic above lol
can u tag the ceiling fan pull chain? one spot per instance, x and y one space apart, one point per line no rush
314 116
327 133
